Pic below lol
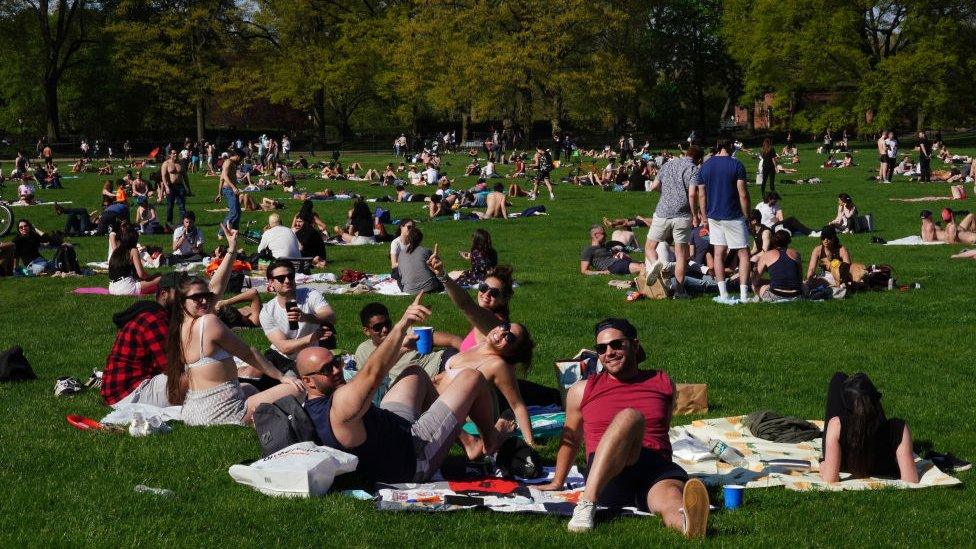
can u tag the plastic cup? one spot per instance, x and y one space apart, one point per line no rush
425 339
732 496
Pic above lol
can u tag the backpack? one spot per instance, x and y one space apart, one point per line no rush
281 424
14 366
66 260
516 458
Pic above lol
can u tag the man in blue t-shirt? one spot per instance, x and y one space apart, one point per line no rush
726 206
406 437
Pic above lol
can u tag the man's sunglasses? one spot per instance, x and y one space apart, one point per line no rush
616 345
284 277
491 291
202 297
326 368
379 326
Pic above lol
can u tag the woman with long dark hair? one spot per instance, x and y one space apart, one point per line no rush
858 438
126 274
415 275
203 348
768 159
829 250
482 256
846 210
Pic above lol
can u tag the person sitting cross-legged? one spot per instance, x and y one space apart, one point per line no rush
622 414
407 437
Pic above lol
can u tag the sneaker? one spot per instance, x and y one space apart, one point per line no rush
696 508
948 463
725 300
583 515
653 272
94 380
67 386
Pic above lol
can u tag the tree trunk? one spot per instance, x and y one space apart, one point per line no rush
725 110
557 114
318 111
51 111
201 119
920 120
465 122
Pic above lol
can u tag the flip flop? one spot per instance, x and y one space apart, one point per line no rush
84 423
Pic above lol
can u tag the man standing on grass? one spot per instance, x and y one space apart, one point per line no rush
171 185
726 206
227 188
882 158
677 181
406 437
622 415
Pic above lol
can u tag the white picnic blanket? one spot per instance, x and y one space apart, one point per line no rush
913 240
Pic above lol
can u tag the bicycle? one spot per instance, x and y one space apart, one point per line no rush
6 217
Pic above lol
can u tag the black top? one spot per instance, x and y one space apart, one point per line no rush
27 247
767 161
387 454
311 242
784 273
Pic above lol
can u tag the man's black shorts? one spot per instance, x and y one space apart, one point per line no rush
620 267
630 487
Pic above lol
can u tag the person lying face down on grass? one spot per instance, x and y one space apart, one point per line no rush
406 437
498 347
622 416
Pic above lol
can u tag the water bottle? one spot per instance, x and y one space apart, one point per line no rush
457 216
142 488
726 453
139 426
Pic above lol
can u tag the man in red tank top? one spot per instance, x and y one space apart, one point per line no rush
622 415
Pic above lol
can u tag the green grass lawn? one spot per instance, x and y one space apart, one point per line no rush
61 486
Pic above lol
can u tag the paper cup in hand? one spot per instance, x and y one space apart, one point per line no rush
425 339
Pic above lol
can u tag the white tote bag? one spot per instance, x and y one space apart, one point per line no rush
300 470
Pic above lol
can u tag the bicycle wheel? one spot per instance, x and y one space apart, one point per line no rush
6 219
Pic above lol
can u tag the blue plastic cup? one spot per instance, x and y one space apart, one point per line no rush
425 339
732 496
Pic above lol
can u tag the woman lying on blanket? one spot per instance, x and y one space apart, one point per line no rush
201 346
499 346
858 438
126 273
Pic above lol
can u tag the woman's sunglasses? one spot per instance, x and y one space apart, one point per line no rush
616 345
491 291
202 297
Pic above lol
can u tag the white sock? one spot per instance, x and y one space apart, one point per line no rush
649 264
723 291
744 291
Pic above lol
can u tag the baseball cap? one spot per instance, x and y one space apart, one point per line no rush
616 323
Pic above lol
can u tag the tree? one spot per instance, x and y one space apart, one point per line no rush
61 31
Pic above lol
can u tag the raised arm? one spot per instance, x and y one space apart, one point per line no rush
220 278
570 439
482 319
352 400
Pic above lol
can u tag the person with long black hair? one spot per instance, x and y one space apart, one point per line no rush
858 438
482 256
126 274
415 275
767 162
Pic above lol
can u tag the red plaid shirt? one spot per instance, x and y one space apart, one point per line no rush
139 353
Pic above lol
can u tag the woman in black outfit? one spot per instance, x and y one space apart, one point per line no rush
768 158
858 438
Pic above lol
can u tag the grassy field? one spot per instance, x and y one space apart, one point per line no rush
61 486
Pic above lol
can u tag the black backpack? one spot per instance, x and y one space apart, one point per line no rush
66 260
14 366
515 458
281 424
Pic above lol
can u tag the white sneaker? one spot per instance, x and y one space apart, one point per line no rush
583 515
67 386
653 271
725 300
552 197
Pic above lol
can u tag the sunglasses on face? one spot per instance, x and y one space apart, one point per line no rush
490 291
616 345
284 277
202 297
507 328
327 368
380 326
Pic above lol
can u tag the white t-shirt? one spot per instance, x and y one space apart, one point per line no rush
186 248
892 146
414 177
431 175
281 241
275 317
396 247
768 213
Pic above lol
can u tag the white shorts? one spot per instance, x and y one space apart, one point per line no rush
667 229
125 286
731 233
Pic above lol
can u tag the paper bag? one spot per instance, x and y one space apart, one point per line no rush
691 398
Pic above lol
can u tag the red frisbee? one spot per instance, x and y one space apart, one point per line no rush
84 423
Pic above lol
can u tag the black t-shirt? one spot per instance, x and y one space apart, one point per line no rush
599 257
27 247
311 242
767 157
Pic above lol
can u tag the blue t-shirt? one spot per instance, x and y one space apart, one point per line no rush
719 175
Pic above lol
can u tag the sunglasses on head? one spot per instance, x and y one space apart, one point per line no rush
336 362
491 291
284 277
379 326
201 297
616 345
